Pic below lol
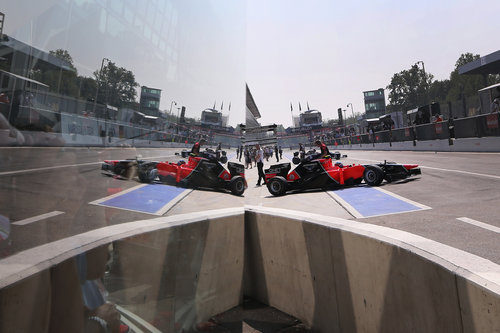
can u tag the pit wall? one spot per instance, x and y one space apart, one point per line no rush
174 272
344 276
486 144
335 275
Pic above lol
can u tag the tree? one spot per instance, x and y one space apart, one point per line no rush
438 90
63 79
116 85
63 55
86 87
409 89
463 86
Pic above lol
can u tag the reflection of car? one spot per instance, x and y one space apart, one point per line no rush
121 168
219 155
322 174
203 171
298 156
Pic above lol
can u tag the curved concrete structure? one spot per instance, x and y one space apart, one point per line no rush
344 276
335 275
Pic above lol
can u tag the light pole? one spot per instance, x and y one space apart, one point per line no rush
352 111
425 78
345 122
170 111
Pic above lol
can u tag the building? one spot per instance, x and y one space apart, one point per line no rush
211 117
374 103
254 132
310 118
150 101
252 111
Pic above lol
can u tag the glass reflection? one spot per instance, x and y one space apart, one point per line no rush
83 82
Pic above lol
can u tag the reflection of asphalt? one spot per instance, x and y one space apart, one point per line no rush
70 188
457 186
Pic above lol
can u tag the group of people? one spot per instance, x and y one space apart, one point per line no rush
249 153
255 155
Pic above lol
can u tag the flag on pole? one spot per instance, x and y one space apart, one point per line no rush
222 106
214 105
308 106
229 106
300 108
291 107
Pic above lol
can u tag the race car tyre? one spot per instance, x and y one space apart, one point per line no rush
277 186
147 174
373 175
237 185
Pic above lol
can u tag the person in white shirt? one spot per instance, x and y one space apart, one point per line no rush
259 157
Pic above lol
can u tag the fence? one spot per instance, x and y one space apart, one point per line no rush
476 126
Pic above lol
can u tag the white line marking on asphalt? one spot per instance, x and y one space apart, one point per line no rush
8 173
160 212
138 319
130 325
465 172
174 201
355 213
411 202
350 209
99 201
38 218
479 224
439 169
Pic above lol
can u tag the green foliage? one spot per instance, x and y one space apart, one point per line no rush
86 87
117 85
408 88
63 55
463 86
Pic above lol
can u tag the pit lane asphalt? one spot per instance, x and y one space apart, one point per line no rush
67 179
454 184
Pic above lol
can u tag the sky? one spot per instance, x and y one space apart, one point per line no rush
201 60
327 53
321 52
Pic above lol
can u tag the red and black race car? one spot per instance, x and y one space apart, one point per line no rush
203 171
316 173
126 169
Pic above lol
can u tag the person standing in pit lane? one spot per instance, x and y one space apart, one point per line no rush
324 149
259 157
195 151
276 152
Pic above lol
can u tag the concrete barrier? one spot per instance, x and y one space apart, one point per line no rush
486 144
183 268
335 275
345 276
